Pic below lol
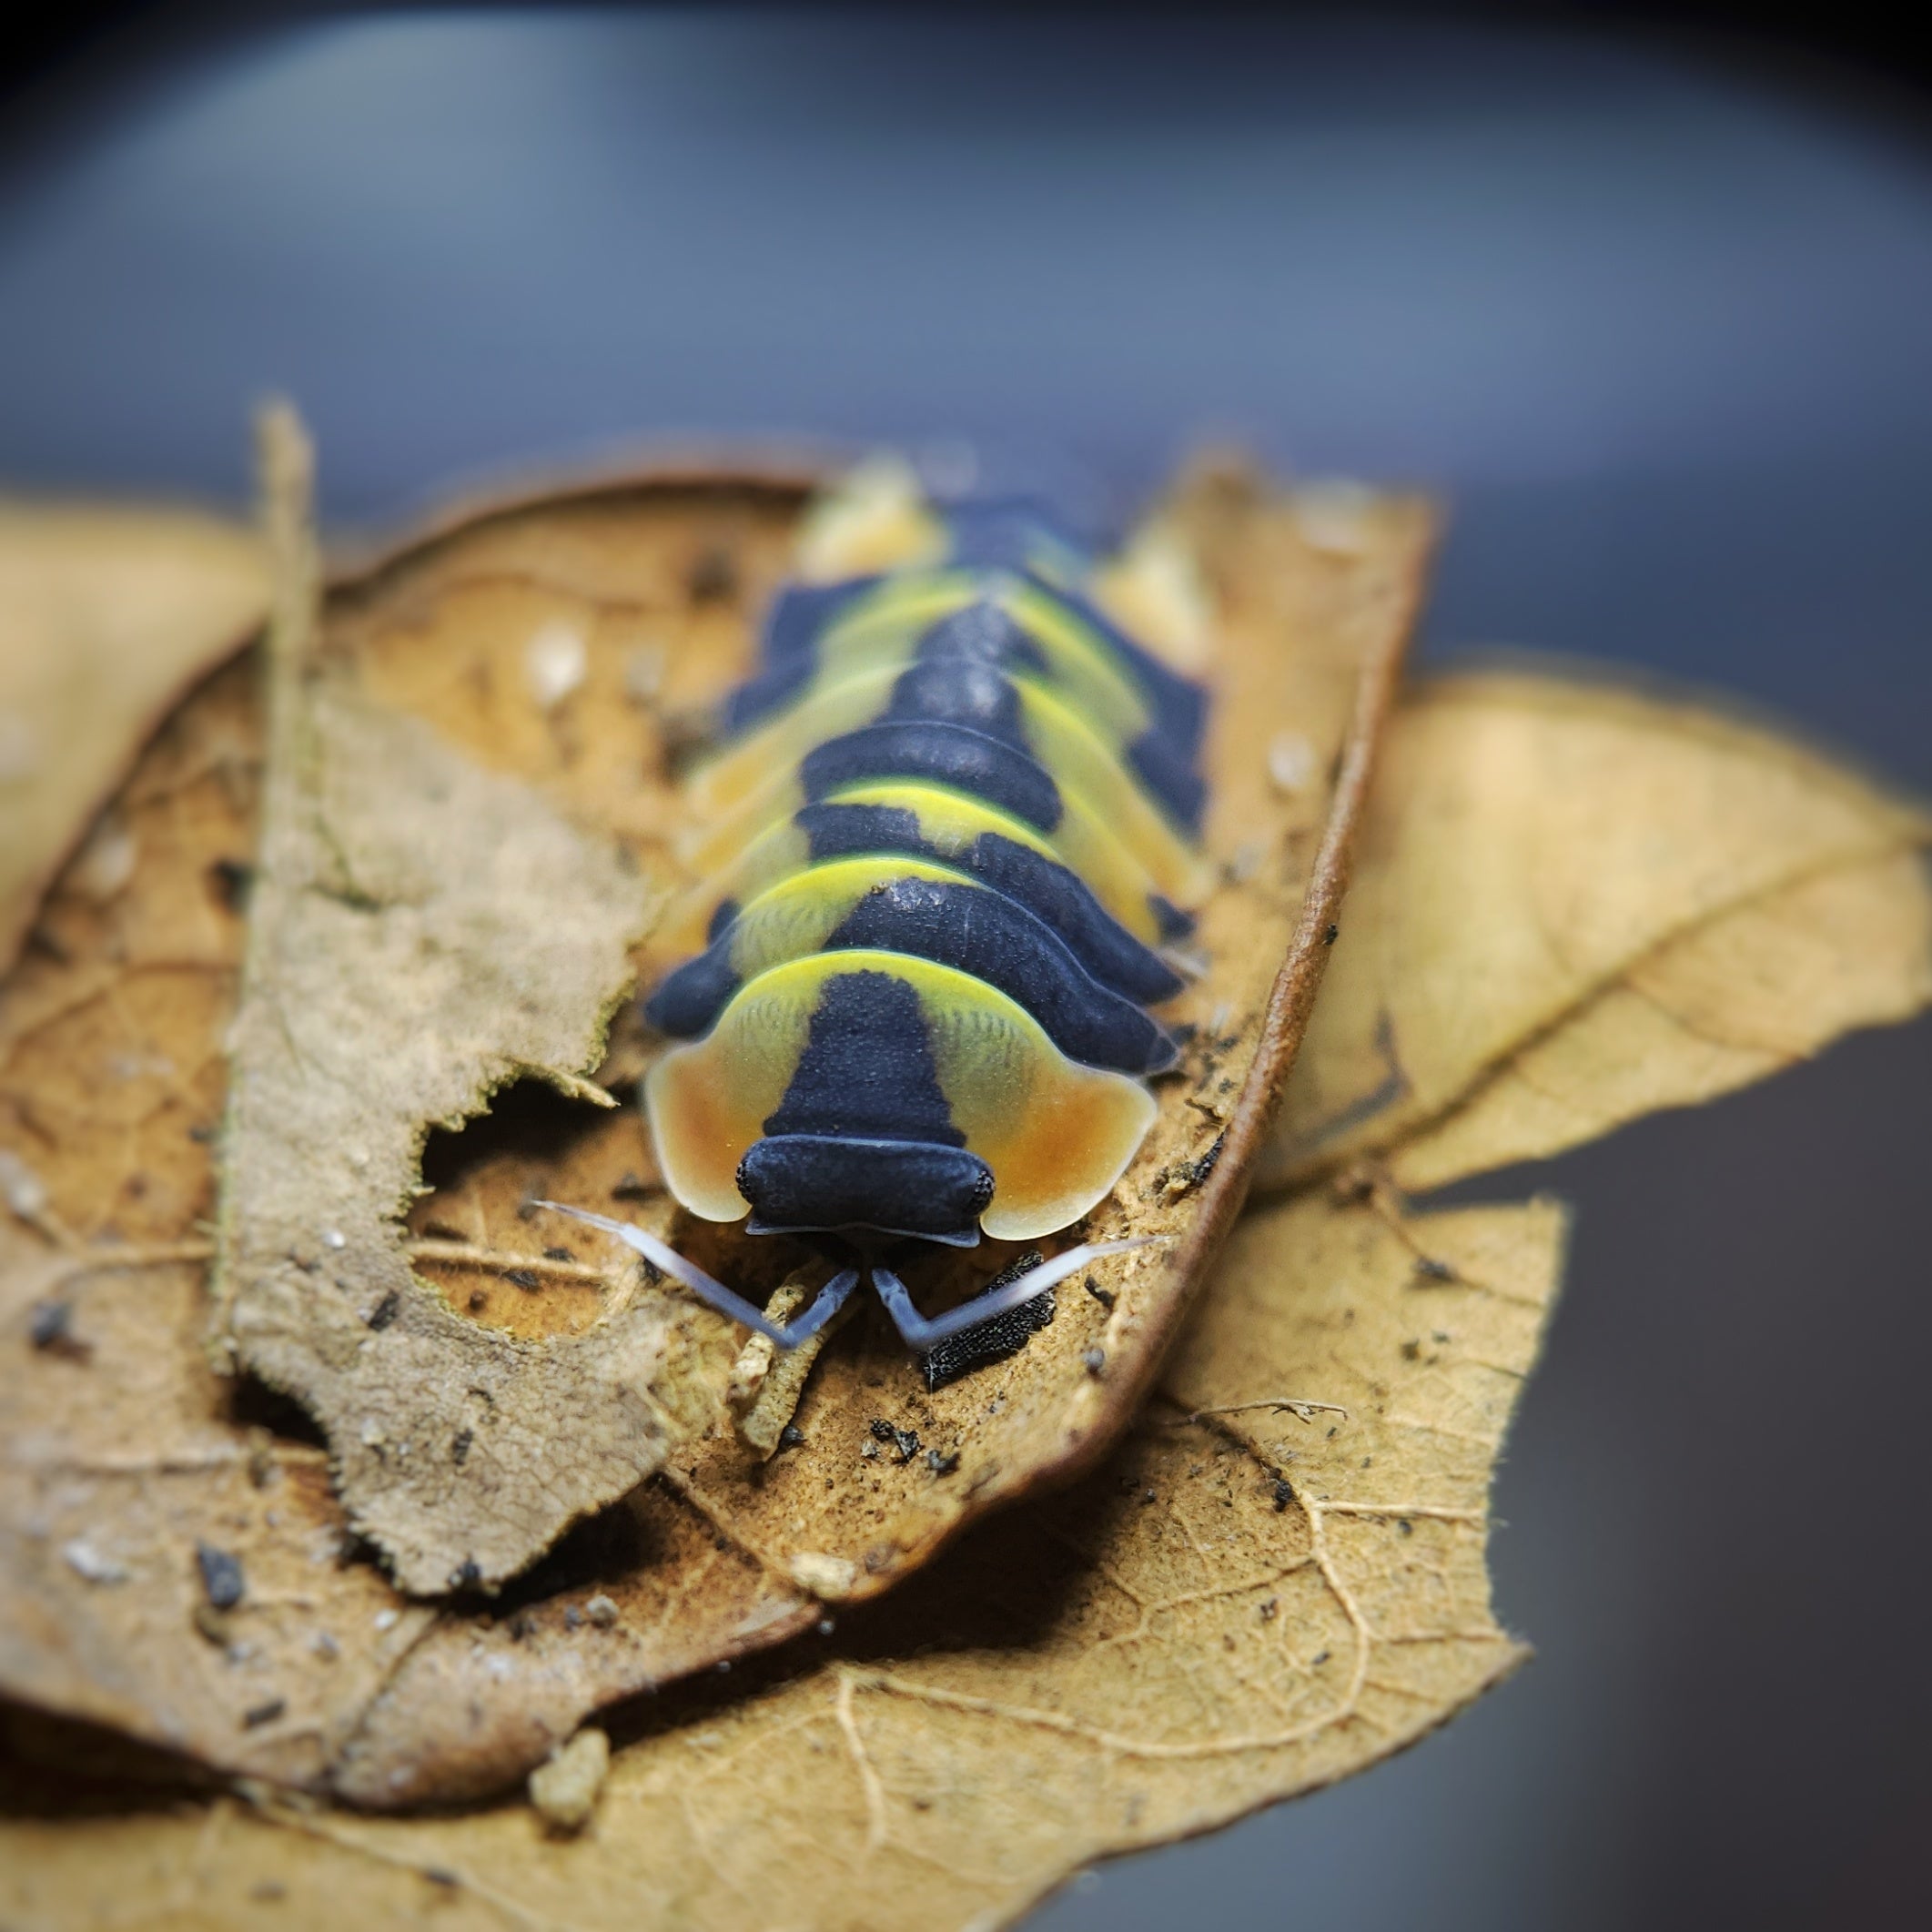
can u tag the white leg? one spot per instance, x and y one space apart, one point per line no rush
714 1294
922 1335
829 1300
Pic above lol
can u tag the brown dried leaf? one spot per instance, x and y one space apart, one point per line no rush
107 615
657 586
1229 1610
120 1452
1310 634
1102 1670
1577 904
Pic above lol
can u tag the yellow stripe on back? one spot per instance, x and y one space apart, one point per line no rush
748 785
799 913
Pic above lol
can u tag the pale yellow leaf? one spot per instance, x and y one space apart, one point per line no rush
1737 998
107 615
1575 904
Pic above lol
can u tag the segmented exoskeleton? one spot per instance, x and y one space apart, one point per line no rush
950 825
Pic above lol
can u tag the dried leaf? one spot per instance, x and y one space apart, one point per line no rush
107 615
446 633
1084 1676
1744 995
121 1453
420 933
736 1557
1577 904
1231 1610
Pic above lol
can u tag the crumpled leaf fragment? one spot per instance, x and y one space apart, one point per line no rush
1577 903
420 933
1231 1609
107 615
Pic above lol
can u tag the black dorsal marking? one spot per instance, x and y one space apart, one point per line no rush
958 690
867 1069
686 1002
986 933
1050 891
1169 775
1173 923
1177 706
789 652
949 754
972 929
985 633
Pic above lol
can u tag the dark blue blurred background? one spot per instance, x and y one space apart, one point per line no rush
1657 313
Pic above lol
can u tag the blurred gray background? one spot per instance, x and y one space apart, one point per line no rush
1658 315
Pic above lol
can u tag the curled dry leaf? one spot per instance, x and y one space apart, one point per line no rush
1233 1608
1308 633
107 615
424 667
1576 904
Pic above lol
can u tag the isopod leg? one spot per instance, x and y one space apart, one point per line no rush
921 1335
714 1293
831 1297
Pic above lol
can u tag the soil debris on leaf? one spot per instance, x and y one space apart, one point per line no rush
1096 1672
563 1789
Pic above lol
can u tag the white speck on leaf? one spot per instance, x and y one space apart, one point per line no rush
107 860
92 1564
555 661
644 674
1291 763
23 1190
